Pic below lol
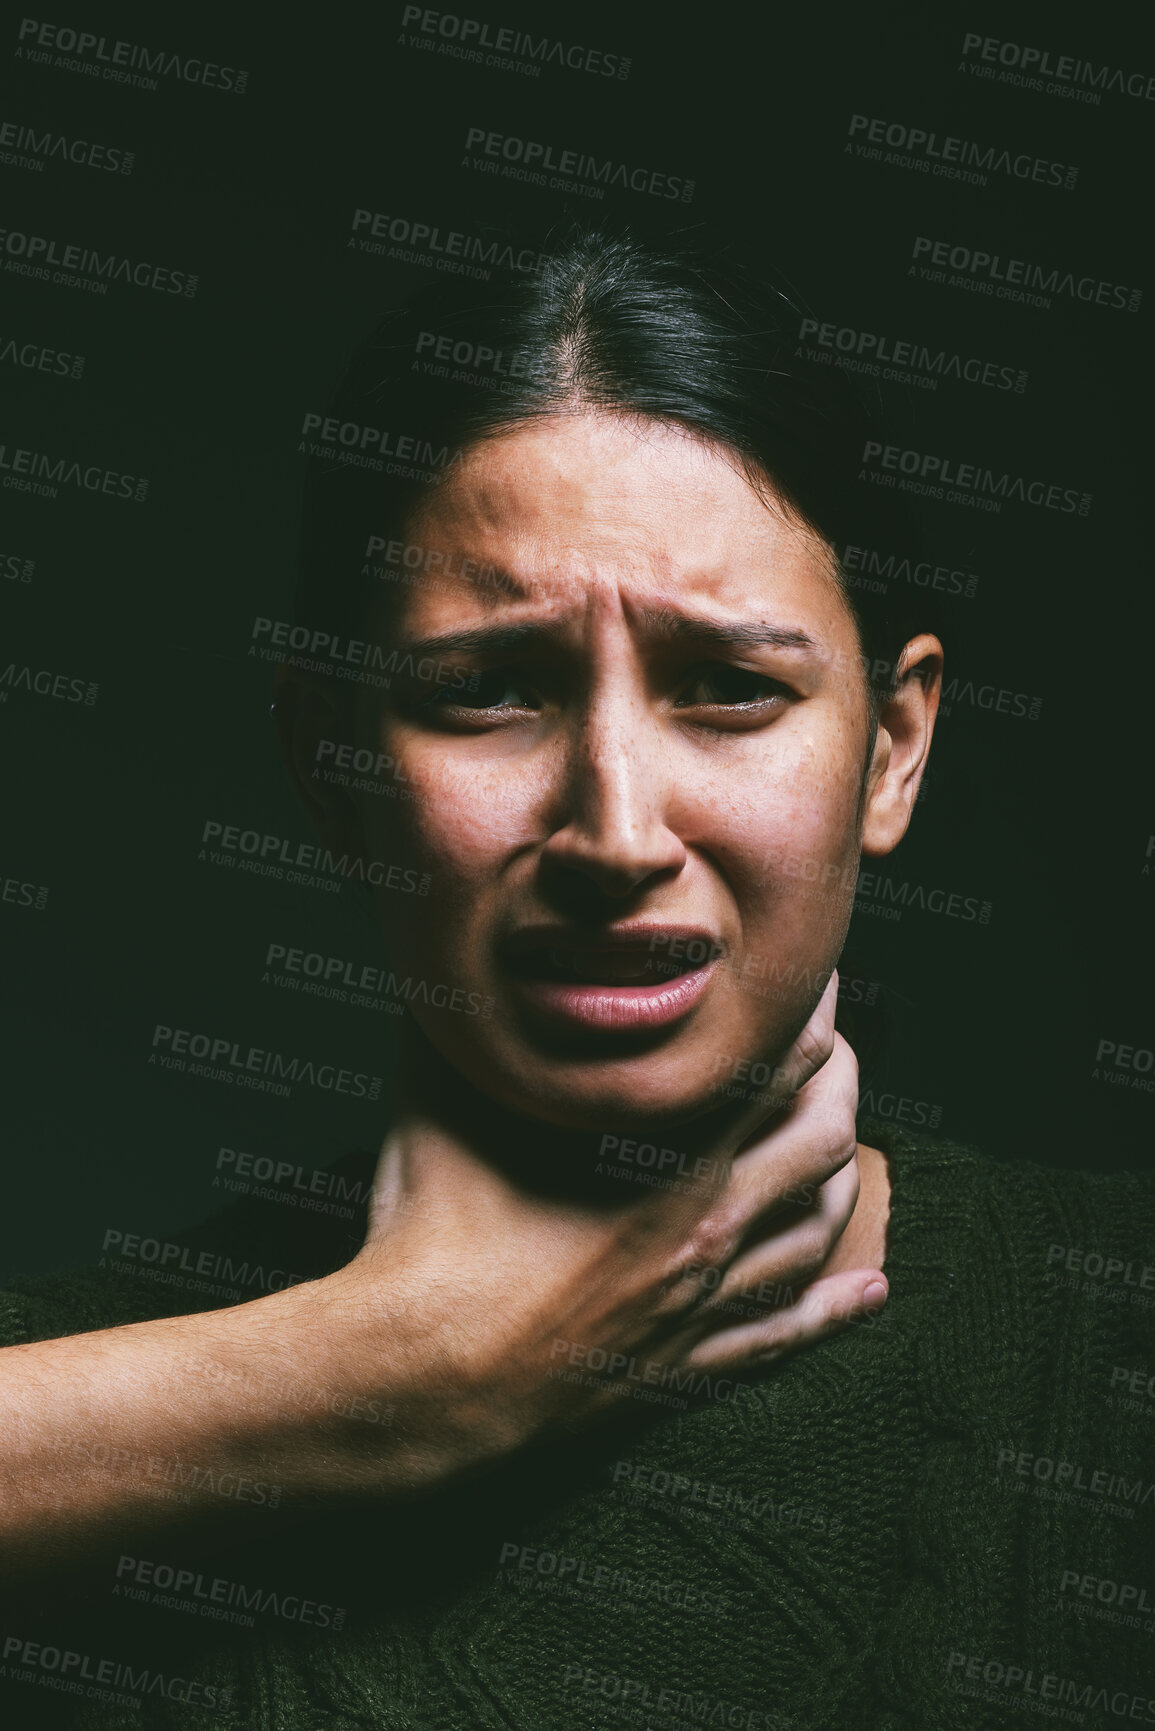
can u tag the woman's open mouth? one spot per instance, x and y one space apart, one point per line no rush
633 979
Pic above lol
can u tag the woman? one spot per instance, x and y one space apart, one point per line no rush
643 736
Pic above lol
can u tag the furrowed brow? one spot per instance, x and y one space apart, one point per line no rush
510 639
484 640
734 634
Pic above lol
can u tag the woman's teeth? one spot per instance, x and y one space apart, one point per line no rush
610 968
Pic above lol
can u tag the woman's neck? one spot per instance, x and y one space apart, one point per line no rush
863 1244
437 1103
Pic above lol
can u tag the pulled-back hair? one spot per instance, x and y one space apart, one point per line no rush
606 322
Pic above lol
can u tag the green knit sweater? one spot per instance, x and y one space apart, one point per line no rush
942 1517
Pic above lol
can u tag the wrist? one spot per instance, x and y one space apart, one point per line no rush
302 1391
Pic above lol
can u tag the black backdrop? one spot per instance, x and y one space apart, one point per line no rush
134 714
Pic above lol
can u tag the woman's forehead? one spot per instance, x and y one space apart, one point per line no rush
585 509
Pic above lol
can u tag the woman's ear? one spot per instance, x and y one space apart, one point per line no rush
905 726
313 721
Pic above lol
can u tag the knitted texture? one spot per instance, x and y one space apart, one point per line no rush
925 1521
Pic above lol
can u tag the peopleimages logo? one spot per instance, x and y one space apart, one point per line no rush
942 477
571 1577
934 154
868 568
24 895
31 149
46 683
34 472
988 268
39 358
1076 1476
882 896
1035 64
217 1592
106 1677
572 168
322 651
16 568
175 1258
227 1060
999 700
32 254
501 363
228 844
921 363
334 977
120 62
450 250
1009 1685
472 34
670 1703
369 447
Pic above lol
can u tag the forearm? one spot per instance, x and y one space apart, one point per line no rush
170 1423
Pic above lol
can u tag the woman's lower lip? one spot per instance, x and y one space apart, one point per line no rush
618 1007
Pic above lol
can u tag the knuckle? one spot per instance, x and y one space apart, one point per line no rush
808 1257
818 1240
839 1143
771 1342
814 1046
843 1057
710 1245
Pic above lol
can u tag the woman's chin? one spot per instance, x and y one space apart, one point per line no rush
609 1077
646 1091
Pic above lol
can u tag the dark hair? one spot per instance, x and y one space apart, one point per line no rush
612 322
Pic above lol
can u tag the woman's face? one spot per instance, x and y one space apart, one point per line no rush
634 771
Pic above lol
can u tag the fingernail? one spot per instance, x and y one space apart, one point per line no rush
875 1295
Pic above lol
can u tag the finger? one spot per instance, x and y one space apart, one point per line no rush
773 1270
780 1182
826 1307
811 1049
791 1160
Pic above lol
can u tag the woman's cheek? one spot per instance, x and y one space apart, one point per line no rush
798 880
783 827
461 821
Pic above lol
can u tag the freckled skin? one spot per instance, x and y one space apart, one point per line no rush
613 798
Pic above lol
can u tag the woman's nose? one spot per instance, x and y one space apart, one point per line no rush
612 811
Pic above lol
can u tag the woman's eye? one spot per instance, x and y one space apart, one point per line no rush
729 685
495 688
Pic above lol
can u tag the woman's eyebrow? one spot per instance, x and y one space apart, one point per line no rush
730 633
508 639
485 639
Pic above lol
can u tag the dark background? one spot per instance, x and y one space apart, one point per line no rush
993 1029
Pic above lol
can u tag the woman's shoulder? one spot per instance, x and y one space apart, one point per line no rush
1026 1295
1029 1192
1017 1225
